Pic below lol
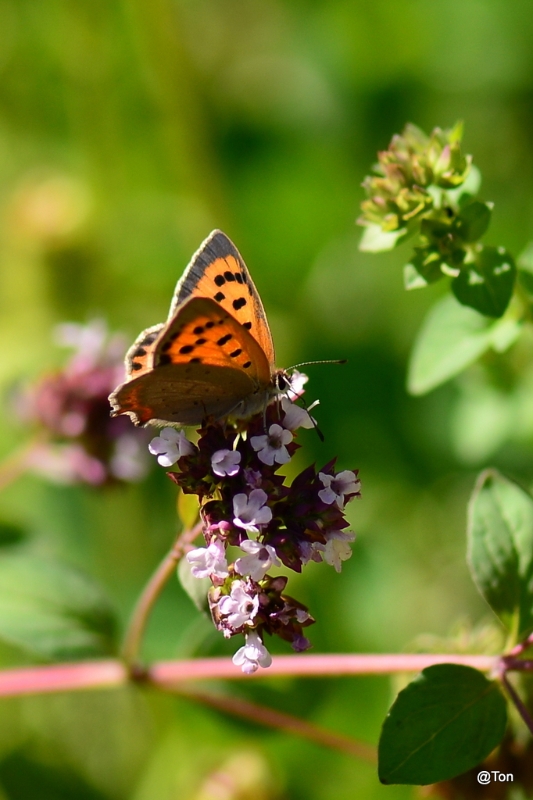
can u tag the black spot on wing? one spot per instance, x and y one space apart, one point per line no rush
229 276
224 339
198 330
219 297
187 348
220 280
247 325
200 341
238 277
247 364
209 324
195 361
136 365
236 353
239 303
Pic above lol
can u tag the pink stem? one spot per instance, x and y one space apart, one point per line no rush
62 677
166 674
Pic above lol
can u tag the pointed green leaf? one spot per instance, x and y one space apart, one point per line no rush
196 588
452 337
442 724
500 549
487 283
51 610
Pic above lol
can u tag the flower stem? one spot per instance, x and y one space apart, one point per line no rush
280 720
150 593
521 708
166 675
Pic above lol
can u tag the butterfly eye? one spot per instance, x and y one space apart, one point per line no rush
282 382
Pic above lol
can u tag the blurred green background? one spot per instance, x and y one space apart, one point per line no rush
128 130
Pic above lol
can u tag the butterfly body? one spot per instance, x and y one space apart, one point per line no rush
213 357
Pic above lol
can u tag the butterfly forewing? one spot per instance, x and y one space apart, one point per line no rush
218 272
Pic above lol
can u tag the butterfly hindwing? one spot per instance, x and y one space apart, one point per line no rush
204 332
205 363
139 358
217 271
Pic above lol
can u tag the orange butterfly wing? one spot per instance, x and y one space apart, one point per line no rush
217 271
203 362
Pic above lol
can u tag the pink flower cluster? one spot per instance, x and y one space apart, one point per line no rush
247 506
80 443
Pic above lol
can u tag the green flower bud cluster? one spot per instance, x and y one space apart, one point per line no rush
414 162
425 186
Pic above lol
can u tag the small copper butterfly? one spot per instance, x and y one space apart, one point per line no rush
213 357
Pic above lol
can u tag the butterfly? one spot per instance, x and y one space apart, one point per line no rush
213 357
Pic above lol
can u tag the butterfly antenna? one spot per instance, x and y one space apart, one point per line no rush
315 424
325 361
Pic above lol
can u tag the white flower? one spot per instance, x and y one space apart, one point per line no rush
270 447
252 655
169 446
337 486
338 548
250 512
295 417
239 606
258 561
226 463
206 561
297 383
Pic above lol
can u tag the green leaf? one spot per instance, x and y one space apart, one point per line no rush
442 724
474 220
52 611
500 549
376 240
196 588
188 509
451 338
487 283
423 269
